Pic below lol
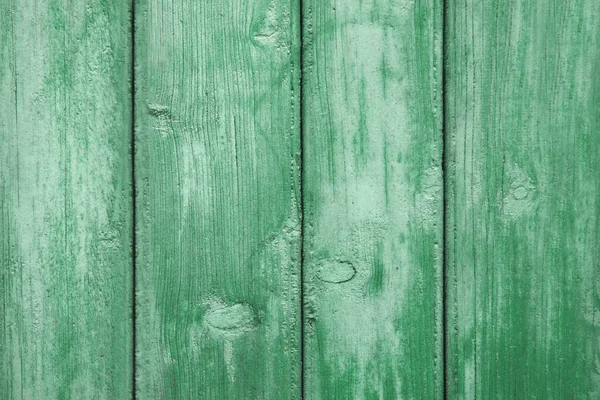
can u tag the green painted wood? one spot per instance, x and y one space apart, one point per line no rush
65 201
523 123
372 143
217 189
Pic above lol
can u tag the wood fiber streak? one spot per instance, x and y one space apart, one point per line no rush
523 125
372 143
218 201
65 200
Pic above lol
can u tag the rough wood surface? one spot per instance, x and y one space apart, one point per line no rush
217 177
373 199
523 131
65 202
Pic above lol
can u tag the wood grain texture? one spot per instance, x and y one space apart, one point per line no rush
217 178
65 201
523 126
372 144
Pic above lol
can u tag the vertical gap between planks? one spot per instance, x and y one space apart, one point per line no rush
133 203
301 149
444 207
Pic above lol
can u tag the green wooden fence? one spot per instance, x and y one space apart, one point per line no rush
321 199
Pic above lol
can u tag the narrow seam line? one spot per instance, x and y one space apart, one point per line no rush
301 183
133 215
444 208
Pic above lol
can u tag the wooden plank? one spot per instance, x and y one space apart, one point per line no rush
217 178
373 199
65 201
523 199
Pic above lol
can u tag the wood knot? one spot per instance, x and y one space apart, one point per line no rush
157 110
268 30
163 117
234 319
520 192
335 271
520 195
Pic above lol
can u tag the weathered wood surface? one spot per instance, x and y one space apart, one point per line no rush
65 201
218 203
373 199
523 131
219 199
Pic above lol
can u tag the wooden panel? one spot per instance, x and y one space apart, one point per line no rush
373 199
65 183
523 199
217 177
